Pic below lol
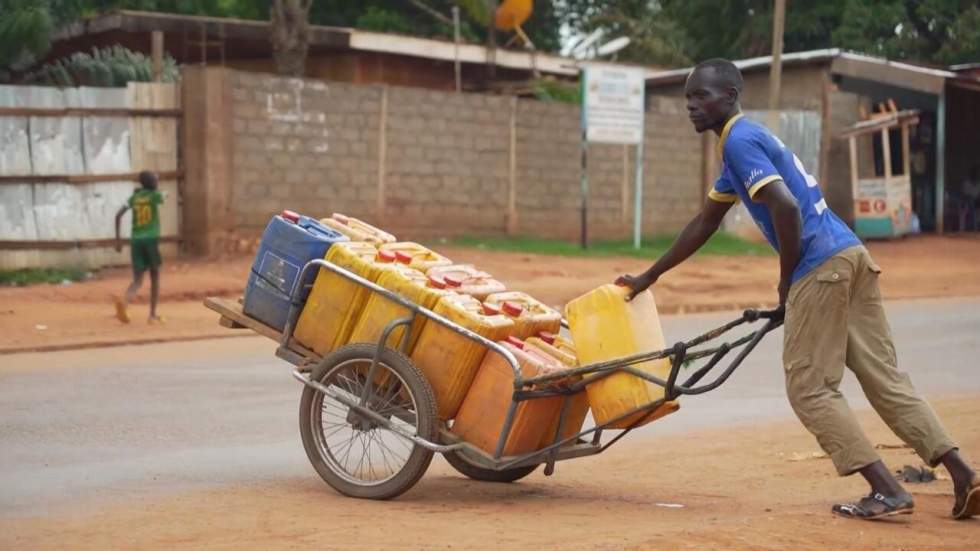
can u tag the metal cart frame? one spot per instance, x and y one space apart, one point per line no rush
529 388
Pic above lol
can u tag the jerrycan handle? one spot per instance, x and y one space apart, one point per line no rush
315 227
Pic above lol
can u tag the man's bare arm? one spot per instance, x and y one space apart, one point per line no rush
785 213
119 216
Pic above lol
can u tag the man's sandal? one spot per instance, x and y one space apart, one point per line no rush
968 503
874 506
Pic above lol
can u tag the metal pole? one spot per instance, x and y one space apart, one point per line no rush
940 160
585 191
776 68
638 194
459 78
381 206
585 165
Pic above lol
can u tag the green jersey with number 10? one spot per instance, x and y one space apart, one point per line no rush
146 218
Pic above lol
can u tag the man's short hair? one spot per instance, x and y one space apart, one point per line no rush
724 68
147 179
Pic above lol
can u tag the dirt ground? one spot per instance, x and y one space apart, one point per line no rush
735 488
46 317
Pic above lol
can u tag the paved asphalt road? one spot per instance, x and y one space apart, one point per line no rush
88 426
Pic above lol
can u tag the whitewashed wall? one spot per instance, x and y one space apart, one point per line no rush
53 211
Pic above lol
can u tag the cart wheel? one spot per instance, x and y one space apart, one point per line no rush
356 455
474 471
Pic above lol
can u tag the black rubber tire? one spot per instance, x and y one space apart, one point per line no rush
465 467
427 426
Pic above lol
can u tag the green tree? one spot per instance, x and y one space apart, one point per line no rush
25 34
964 43
928 31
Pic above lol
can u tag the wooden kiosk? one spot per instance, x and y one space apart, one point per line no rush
882 203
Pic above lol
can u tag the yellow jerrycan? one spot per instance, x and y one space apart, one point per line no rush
466 279
378 312
578 404
449 360
604 327
417 256
530 315
481 418
334 303
356 230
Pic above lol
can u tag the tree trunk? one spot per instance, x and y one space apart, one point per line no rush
290 35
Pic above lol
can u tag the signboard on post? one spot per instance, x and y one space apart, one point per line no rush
613 105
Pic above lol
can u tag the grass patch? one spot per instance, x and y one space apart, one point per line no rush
721 243
34 276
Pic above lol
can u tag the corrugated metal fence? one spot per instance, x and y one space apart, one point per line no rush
69 158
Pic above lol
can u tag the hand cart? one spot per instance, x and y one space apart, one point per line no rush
368 416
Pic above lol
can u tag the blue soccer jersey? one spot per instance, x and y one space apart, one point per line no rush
754 158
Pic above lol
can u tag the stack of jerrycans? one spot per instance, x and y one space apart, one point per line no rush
288 243
410 284
357 230
530 315
466 279
481 418
577 410
417 256
449 360
605 326
335 302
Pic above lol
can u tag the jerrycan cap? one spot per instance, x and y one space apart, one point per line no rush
547 337
490 309
436 282
515 342
512 309
343 219
403 257
290 216
386 256
453 281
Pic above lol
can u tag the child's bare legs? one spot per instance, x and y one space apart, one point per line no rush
122 305
133 288
154 293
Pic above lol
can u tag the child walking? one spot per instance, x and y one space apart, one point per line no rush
144 244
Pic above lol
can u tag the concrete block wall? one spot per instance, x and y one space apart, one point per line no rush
447 162
426 163
302 145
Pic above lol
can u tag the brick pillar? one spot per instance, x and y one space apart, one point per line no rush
206 139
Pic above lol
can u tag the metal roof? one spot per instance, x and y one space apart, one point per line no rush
340 38
853 64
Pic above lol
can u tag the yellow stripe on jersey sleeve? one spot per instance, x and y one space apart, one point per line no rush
763 183
722 197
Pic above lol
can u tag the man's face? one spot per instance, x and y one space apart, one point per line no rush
709 101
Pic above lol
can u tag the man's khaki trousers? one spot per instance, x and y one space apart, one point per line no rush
834 317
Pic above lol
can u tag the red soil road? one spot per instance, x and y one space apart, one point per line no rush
739 488
81 314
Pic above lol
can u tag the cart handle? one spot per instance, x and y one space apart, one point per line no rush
774 317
